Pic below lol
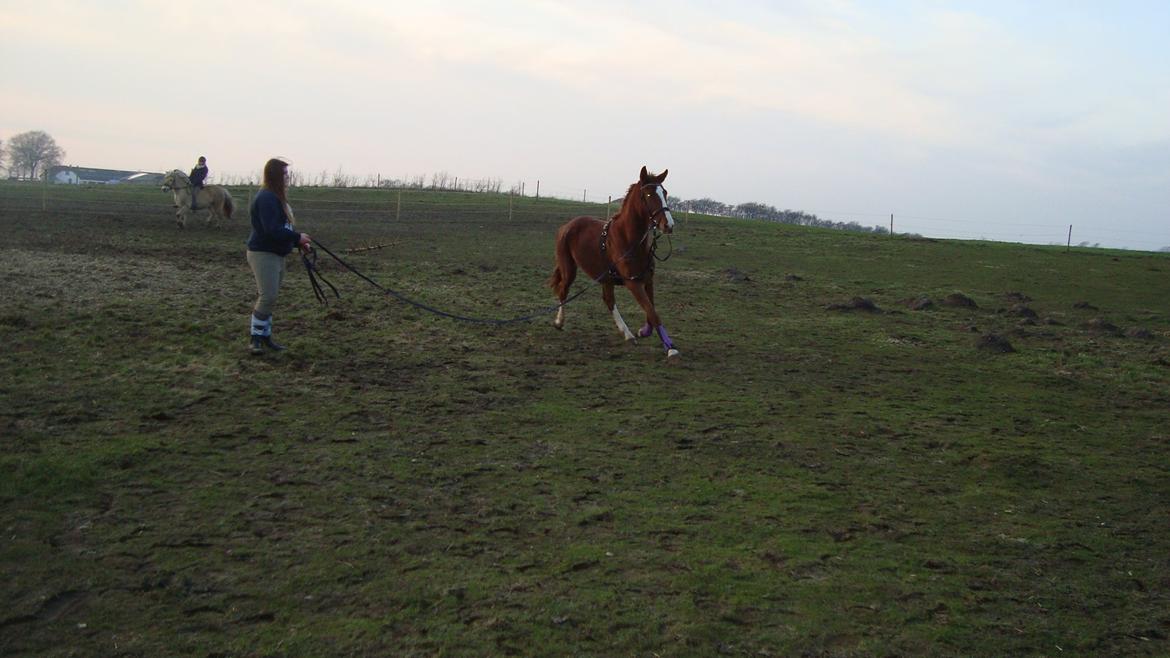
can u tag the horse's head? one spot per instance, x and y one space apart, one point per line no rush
653 198
175 179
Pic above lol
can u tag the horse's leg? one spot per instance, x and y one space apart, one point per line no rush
181 202
607 296
561 280
648 328
638 290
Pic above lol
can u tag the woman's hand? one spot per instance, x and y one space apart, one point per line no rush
305 243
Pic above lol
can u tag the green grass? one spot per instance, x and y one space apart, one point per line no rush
802 482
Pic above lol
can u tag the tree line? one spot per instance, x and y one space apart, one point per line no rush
765 212
30 154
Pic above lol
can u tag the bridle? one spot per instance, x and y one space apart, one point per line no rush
663 208
175 179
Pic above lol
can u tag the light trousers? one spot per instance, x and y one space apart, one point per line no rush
268 268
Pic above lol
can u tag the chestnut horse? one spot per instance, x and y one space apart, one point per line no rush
618 251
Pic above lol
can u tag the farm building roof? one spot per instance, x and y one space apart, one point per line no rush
95 175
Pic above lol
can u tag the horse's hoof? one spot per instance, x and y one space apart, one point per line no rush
673 353
558 327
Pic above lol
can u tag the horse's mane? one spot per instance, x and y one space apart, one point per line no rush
632 203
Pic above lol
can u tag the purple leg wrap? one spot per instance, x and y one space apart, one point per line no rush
665 338
645 331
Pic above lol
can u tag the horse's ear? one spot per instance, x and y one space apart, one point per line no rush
661 177
644 175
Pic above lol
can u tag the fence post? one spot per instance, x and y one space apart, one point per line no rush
1069 245
538 188
583 193
398 211
509 205
608 203
45 192
891 224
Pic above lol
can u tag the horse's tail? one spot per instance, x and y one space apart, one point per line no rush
228 204
563 270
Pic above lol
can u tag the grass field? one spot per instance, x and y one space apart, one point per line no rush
804 481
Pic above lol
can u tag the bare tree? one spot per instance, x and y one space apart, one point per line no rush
33 152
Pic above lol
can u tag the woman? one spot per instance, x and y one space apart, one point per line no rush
271 240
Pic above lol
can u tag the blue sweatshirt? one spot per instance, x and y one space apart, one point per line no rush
270 228
198 175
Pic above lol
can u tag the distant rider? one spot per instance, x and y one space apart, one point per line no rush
198 175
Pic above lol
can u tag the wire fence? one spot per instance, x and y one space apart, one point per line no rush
414 208
387 203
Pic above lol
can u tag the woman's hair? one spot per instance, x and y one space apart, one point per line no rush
274 178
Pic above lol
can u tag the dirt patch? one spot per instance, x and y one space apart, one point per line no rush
1102 326
855 304
959 300
918 303
84 279
994 343
735 275
1022 311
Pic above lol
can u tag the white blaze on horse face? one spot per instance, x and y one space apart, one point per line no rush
662 198
621 324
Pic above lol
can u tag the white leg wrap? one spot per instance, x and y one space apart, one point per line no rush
560 320
261 327
621 324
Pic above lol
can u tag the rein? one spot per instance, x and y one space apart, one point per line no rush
314 273
309 258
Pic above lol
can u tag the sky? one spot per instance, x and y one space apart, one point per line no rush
974 120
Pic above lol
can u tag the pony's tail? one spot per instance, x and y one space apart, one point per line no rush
228 205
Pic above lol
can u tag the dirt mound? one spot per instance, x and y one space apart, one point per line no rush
1018 297
1101 326
855 304
1085 306
1139 332
959 300
919 303
736 276
994 343
1022 311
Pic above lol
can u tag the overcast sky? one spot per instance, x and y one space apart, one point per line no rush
984 119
